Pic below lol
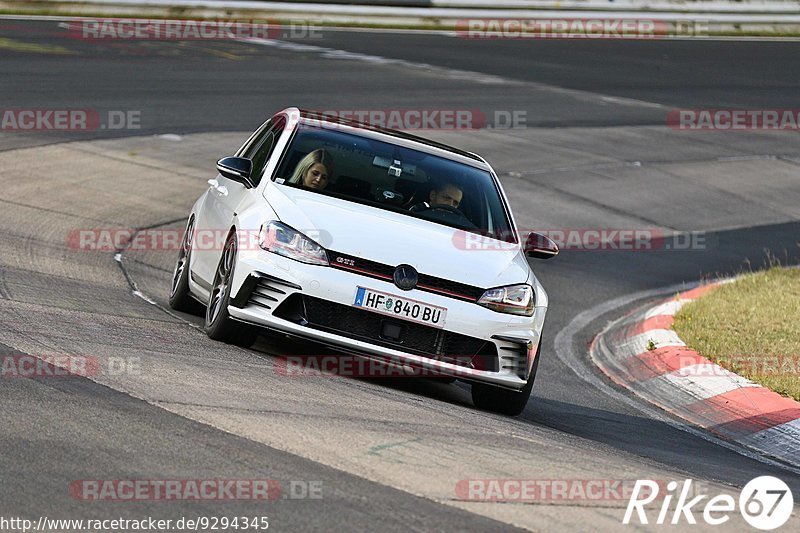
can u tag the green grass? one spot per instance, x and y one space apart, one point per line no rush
750 327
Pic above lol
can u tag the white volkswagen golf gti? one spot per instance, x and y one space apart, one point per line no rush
373 242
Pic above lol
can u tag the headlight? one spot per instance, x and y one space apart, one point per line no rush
281 239
515 299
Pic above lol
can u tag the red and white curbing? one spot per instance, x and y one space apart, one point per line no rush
684 383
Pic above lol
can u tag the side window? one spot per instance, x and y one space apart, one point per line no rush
261 148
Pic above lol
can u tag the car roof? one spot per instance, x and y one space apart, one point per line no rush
399 137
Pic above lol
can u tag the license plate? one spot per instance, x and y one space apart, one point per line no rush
397 306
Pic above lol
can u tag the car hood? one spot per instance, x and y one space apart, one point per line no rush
393 239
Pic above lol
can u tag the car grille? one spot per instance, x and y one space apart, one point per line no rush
385 272
364 325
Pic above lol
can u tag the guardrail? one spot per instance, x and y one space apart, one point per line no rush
457 8
752 17
693 6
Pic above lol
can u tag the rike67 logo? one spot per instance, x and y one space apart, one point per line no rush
765 503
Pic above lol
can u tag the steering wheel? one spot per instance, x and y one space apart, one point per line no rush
445 207
453 212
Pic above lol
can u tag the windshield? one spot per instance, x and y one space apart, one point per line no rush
394 178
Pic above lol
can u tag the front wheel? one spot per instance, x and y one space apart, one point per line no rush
219 324
179 297
504 401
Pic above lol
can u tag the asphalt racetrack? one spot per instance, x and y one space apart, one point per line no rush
590 149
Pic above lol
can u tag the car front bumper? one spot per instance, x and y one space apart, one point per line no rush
264 284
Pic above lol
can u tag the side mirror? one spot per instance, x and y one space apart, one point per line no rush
237 169
540 246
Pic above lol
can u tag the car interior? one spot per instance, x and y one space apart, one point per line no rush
395 178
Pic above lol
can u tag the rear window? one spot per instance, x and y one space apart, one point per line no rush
383 175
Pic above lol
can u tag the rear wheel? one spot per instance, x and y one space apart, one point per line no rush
219 324
504 401
179 297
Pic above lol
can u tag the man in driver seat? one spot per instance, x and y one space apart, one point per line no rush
444 193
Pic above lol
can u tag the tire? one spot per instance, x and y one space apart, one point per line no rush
219 325
179 297
504 401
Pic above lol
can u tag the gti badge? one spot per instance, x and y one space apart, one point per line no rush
405 277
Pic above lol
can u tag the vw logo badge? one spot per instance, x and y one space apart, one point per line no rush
405 277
